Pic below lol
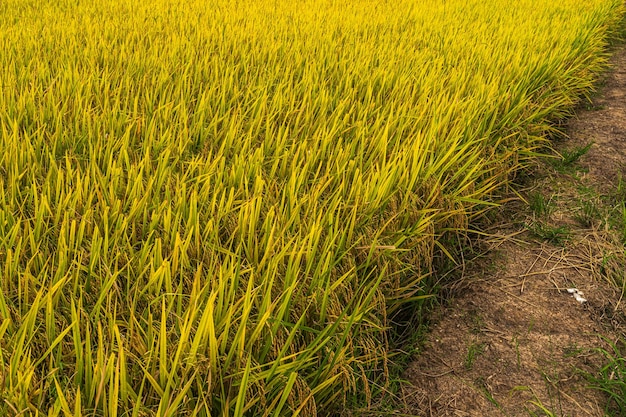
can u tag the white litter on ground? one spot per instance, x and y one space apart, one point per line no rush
578 295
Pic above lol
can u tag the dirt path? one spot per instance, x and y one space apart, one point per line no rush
512 341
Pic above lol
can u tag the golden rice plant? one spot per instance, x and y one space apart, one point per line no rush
217 207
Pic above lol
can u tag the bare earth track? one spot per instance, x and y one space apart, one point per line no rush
512 341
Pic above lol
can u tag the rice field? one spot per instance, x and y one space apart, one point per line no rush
219 207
